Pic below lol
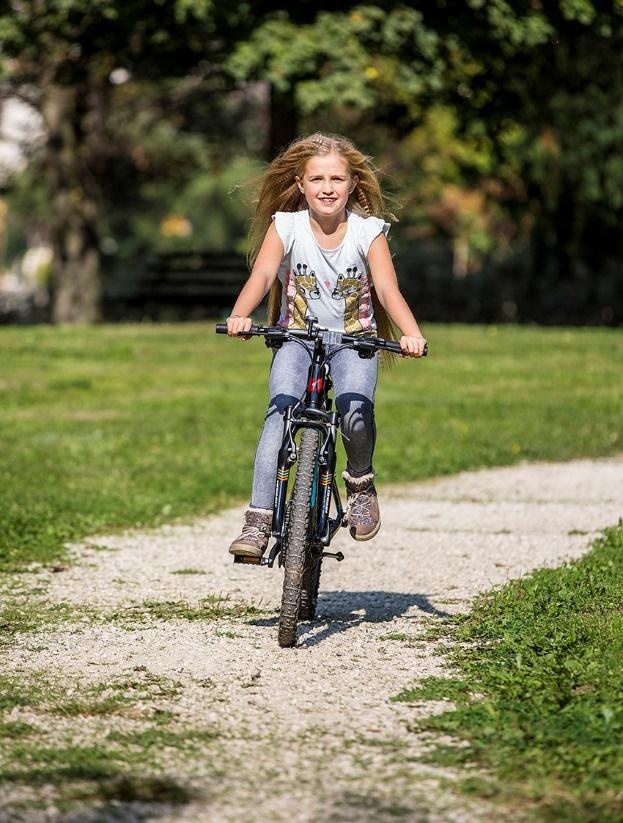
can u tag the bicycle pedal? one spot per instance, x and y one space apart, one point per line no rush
247 559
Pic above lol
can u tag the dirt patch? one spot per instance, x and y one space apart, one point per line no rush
309 733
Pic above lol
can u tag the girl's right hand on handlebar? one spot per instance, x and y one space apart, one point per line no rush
236 326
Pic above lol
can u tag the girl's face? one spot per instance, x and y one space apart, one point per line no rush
327 184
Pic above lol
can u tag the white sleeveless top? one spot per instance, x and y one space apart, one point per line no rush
331 284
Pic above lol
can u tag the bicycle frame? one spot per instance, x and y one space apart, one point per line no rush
313 412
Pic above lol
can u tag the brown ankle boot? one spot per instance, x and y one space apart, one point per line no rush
362 514
255 533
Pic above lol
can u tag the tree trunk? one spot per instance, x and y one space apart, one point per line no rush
76 285
76 290
283 121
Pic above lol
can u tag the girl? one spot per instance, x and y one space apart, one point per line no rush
321 249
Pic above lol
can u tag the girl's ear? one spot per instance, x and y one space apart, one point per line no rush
355 180
299 183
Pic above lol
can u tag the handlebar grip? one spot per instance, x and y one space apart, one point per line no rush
394 347
221 328
257 331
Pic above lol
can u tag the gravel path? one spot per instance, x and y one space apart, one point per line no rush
310 733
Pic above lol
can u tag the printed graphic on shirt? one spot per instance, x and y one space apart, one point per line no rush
302 286
357 307
317 269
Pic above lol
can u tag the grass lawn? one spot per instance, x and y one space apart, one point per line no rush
543 655
127 425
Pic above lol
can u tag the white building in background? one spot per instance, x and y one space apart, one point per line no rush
21 130
22 281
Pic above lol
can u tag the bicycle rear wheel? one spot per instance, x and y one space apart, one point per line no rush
296 544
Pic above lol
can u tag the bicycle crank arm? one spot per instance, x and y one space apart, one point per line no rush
335 555
274 553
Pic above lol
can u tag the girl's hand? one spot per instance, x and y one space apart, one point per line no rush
412 346
236 325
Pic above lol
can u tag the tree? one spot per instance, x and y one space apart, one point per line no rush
556 87
70 59
536 87
532 91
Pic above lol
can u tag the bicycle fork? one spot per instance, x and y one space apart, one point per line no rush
327 490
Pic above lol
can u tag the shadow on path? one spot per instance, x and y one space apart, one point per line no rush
112 797
341 611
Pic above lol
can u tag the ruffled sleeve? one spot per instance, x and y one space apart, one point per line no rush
369 229
284 223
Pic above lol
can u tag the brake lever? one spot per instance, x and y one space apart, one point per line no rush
275 342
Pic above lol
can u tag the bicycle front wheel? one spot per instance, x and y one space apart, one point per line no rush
300 524
310 586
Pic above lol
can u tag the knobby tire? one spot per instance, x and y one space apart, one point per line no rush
309 587
297 538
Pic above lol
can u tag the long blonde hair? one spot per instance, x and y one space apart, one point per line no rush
279 191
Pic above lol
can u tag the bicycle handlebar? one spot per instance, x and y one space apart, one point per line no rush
338 338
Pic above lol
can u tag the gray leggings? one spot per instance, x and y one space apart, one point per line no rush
354 381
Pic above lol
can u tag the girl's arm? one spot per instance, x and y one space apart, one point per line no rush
388 292
258 285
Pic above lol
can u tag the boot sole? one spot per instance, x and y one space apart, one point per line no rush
365 537
242 552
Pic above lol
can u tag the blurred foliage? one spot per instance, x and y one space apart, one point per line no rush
498 123
344 58
501 104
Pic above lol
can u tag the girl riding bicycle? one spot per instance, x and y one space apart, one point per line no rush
321 249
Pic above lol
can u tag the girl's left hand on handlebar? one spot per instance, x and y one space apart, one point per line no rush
412 346
236 326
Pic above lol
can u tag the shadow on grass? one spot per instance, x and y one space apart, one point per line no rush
341 611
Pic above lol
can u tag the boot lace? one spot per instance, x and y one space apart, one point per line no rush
254 533
360 504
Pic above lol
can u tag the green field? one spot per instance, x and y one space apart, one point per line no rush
117 426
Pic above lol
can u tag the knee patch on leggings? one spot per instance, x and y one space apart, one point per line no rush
279 403
357 412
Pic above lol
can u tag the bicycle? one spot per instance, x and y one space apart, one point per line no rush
303 525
